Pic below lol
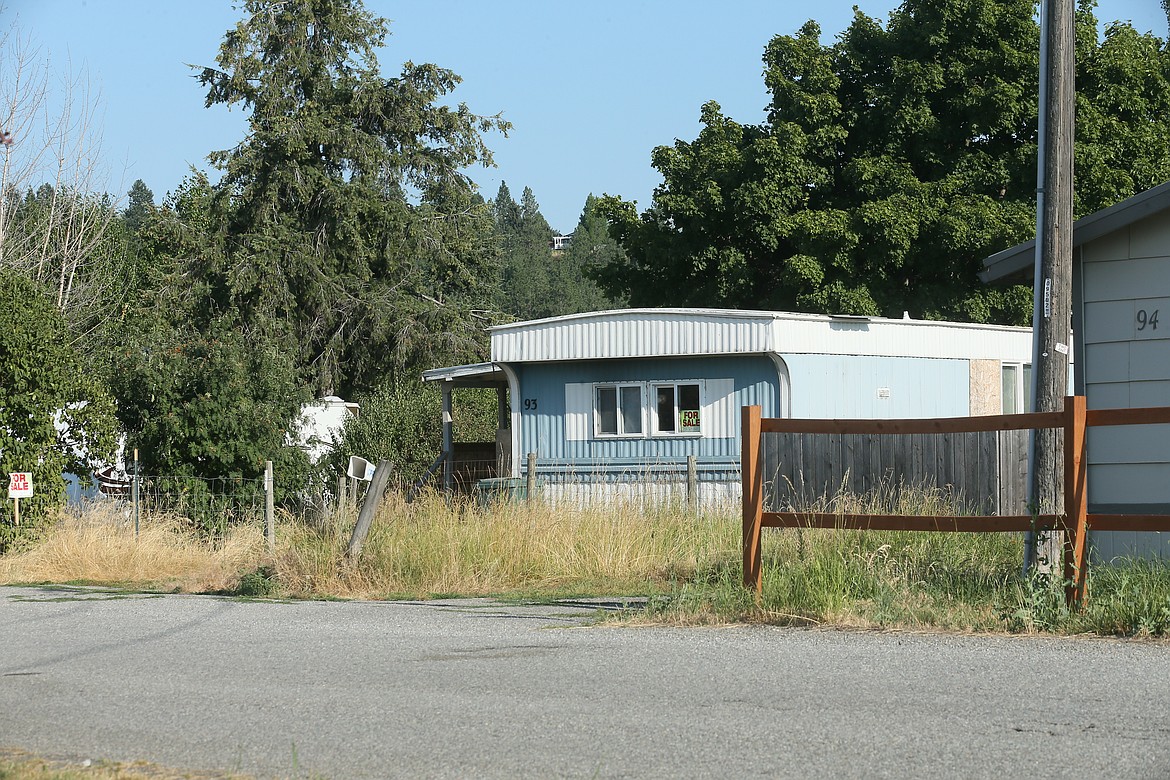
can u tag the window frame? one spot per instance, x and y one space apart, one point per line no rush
617 387
1022 382
656 430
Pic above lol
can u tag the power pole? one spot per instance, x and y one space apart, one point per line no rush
1052 313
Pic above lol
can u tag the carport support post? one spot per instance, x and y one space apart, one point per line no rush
503 417
448 470
753 499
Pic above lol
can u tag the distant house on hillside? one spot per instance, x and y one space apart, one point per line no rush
560 243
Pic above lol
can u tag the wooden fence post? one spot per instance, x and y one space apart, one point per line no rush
753 499
373 499
1075 500
530 478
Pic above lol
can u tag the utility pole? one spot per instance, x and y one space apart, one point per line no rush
1052 312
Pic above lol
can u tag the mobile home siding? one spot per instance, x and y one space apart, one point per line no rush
545 421
877 387
652 333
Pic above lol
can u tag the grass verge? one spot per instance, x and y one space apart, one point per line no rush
18 765
687 564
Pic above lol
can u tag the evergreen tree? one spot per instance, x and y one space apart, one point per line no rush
506 212
591 248
318 246
138 203
526 256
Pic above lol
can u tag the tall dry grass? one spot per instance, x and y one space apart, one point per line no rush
689 564
428 547
436 546
99 546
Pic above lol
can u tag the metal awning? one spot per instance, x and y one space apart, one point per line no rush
473 375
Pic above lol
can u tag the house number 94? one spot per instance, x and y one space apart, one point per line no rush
1147 319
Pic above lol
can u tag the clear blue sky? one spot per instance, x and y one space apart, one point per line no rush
591 88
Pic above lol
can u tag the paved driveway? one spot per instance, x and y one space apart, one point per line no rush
472 688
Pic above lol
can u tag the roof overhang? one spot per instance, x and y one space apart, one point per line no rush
1015 265
473 375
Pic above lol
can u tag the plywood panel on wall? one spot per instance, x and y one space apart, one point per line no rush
986 387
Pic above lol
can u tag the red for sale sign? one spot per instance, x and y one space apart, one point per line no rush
20 484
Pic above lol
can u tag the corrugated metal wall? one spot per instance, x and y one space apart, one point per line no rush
684 332
633 333
542 407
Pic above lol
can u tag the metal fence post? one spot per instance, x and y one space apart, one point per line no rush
530 477
135 492
692 482
269 509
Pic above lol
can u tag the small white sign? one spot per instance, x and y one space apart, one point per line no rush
20 484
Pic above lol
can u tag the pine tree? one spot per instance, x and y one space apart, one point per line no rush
318 245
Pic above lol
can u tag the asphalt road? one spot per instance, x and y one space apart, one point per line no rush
478 689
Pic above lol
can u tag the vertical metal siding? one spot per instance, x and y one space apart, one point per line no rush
657 332
543 430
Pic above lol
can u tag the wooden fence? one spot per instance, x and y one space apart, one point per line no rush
1075 523
985 471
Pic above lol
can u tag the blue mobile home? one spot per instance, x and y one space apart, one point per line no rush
618 395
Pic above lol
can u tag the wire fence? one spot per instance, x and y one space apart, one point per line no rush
210 505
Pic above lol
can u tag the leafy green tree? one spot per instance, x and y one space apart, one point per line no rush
208 403
330 211
54 418
890 163
199 396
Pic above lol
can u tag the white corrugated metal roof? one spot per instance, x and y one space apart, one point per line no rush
638 333
471 372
